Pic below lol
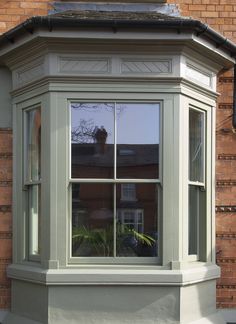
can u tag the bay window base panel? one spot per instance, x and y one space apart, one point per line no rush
113 304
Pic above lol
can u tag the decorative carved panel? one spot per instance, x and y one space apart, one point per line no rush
145 66
84 65
29 73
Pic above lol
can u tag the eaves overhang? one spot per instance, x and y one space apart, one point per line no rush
154 22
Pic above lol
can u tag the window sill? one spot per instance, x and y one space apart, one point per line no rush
95 275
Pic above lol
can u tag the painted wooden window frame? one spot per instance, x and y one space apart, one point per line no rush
55 199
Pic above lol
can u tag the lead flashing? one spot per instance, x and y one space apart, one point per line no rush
167 9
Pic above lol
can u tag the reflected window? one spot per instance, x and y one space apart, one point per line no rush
132 219
128 191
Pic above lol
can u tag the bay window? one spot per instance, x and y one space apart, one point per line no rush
114 198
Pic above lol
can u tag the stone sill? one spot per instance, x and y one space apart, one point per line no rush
95 275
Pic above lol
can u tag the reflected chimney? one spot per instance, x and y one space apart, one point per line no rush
100 137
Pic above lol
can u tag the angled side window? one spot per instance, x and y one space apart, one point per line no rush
196 192
32 179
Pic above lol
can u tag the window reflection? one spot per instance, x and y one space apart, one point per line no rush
33 143
93 229
92 138
92 220
137 221
196 145
129 229
138 140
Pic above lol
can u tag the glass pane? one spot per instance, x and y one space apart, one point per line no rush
33 144
193 219
196 145
138 140
137 234
34 219
197 221
92 140
92 220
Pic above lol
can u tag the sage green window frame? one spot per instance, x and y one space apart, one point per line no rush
31 196
56 181
114 182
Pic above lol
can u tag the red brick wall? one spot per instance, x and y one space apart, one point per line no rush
15 11
5 213
221 15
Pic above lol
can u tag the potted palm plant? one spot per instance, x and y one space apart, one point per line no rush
100 241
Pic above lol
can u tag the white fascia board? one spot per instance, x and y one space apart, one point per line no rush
107 34
212 50
92 37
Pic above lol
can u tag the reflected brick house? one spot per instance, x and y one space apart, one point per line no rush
135 203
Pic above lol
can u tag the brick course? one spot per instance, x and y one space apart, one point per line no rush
5 214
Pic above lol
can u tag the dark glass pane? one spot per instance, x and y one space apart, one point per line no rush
137 221
92 220
138 140
196 145
33 144
92 140
193 219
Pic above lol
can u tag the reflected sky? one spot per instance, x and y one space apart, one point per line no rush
137 123
86 117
